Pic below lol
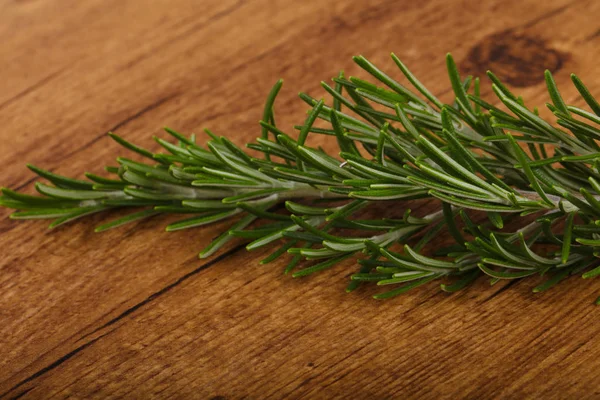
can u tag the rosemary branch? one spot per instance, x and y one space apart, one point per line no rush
395 144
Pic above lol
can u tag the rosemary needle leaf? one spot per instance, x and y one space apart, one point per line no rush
585 93
59 180
176 209
201 220
225 237
392 84
309 122
589 242
262 213
130 146
428 260
102 180
301 209
503 275
29 201
127 219
404 277
592 273
272 237
524 162
43 213
253 195
321 266
294 262
553 281
405 288
415 82
462 282
81 212
366 277
503 89
555 94
180 137
567 237
73 194
345 144
268 111
457 85
496 219
279 252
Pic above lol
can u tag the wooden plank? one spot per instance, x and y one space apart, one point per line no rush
133 313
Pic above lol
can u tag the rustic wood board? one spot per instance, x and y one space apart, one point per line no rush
133 313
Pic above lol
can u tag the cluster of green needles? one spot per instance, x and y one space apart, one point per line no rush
519 197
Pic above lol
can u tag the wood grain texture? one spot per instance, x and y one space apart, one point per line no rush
133 313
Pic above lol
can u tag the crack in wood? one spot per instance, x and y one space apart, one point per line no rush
31 88
548 15
125 313
23 393
53 365
167 288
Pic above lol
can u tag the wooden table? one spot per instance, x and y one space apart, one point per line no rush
133 313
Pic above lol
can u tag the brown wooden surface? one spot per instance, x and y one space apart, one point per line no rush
133 313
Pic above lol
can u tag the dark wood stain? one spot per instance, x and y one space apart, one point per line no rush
518 59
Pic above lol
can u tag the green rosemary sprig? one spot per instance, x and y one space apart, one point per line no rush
396 144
